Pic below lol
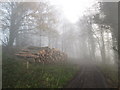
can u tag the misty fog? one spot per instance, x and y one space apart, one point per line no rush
86 32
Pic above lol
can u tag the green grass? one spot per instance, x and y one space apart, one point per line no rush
16 75
111 74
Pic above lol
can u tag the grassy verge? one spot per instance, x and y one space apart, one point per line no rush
111 74
16 75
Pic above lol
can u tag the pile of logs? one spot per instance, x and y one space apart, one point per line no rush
42 55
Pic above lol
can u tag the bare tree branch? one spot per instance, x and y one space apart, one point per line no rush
3 42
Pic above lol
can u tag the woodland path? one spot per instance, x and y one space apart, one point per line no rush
88 77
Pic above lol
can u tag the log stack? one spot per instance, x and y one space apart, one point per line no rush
42 55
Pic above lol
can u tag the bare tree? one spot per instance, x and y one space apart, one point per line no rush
25 17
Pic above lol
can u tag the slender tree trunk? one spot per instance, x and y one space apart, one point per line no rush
13 30
40 41
11 39
49 42
103 55
91 47
62 46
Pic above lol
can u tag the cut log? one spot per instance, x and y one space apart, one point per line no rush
42 55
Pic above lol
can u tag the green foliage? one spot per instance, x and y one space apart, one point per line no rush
16 75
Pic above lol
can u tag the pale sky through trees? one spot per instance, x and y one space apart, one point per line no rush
73 9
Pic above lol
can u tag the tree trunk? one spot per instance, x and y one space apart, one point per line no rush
11 40
103 55
49 42
91 47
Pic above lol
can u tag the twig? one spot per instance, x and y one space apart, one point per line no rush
3 42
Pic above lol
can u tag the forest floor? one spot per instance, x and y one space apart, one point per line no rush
68 75
16 75
90 76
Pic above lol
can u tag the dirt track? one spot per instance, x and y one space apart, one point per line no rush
89 77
